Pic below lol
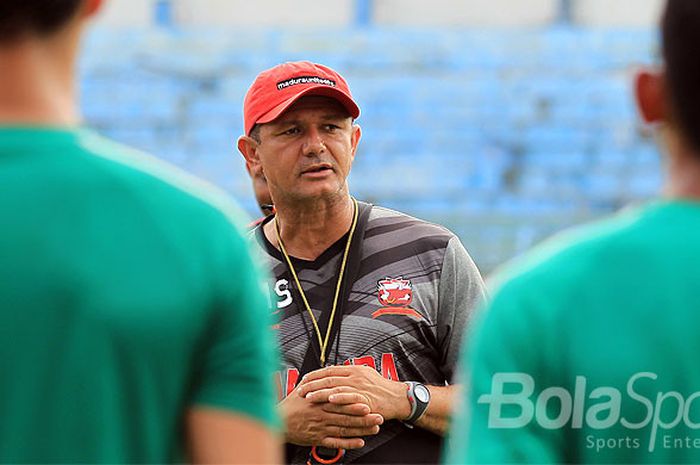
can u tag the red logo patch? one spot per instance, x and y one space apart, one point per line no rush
396 294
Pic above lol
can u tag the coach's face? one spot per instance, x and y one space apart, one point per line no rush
308 151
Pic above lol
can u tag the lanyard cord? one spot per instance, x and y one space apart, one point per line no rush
322 342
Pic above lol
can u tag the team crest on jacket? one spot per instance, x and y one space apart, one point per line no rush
396 294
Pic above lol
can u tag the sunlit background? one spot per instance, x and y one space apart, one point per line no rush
504 120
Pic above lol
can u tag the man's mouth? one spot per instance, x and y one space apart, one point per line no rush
317 169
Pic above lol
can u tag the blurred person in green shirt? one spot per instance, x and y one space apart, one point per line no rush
133 327
588 352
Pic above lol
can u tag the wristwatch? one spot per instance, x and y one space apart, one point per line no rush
419 398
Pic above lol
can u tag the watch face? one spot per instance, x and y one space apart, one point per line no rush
422 393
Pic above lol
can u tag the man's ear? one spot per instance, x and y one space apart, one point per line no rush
355 138
249 149
650 92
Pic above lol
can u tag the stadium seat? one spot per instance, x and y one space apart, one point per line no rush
503 135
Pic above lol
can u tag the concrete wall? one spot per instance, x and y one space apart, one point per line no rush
341 13
465 12
264 13
635 13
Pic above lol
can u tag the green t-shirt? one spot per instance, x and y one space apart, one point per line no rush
589 351
127 295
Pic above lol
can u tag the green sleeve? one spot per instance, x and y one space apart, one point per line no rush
240 355
509 339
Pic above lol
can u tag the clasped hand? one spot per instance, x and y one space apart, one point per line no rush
336 406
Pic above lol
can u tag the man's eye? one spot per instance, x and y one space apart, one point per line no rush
331 127
291 131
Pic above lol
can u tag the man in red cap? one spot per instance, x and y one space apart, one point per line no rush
371 303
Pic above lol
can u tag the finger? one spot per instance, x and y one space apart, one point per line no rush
340 395
357 410
343 432
323 394
353 421
323 383
319 397
342 443
326 372
348 397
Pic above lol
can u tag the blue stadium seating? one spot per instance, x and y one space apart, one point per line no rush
503 136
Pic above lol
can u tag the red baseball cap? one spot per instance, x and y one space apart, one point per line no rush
276 89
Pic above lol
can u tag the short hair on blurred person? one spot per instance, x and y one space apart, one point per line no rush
22 18
681 49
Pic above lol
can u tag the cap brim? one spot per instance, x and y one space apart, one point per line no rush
324 91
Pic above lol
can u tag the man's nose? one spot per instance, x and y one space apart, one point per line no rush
314 143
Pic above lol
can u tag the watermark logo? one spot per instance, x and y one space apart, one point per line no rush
512 404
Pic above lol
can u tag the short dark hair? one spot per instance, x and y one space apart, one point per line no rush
681 50
255 133
21 18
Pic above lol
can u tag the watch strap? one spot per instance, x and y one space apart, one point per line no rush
418 407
